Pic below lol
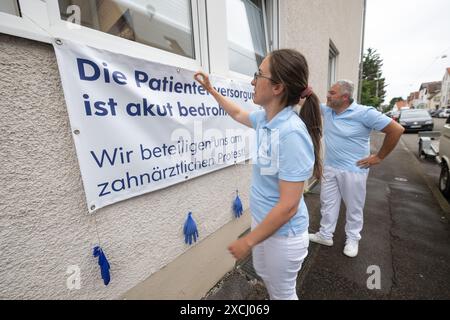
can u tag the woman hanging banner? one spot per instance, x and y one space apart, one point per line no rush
140 126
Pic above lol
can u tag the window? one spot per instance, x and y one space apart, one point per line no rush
332 64
247 35
162 24
271 13
10 7
190 34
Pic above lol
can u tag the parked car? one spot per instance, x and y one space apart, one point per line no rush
393 115
416 120
444 159
434 113
445 113
438 112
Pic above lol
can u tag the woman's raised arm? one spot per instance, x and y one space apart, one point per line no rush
232 108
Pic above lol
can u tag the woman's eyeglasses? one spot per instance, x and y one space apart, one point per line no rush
259 75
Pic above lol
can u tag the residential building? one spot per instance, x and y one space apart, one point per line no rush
435 102
47 232
413 99
399 105
445 89
427 92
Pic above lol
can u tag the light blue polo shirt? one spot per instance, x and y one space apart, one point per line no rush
284 152
347 135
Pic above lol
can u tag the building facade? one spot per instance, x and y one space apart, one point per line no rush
47 233
427 93
445 89
413 99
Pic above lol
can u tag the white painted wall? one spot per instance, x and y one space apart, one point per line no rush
445 90
44 224
434 103
308 26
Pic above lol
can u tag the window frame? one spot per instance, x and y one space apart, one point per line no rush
41 21
333 54
110 42
272 14
16 6
218 50
28 24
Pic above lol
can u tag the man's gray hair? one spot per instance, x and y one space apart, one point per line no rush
347 87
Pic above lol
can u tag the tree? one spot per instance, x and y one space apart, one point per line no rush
372 89
394 101
385 108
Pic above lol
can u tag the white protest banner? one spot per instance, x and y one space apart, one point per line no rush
140 126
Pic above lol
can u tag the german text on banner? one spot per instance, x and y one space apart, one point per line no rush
140 126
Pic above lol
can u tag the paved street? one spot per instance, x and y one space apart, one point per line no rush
406 235
429 166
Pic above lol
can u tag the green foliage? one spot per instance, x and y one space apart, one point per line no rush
373 84
386 108
394 100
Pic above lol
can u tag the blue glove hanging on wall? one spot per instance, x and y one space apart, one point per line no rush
190 230
103 263
237 206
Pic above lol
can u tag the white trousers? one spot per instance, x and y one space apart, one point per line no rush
346 185
277 261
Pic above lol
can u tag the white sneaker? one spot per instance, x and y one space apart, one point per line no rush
351 248
317 238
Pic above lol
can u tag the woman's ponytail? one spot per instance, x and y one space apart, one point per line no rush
310 114
290 68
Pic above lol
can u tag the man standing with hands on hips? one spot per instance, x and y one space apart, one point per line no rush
347 127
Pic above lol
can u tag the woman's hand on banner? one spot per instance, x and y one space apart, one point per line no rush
203 79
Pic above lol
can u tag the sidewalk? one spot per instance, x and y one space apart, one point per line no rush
406 234
242 283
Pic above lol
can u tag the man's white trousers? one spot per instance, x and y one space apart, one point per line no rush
337 185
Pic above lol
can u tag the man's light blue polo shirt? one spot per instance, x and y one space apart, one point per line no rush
284 152
347 135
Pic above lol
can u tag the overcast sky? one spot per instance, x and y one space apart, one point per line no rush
410 36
